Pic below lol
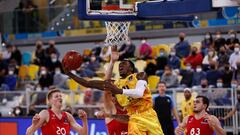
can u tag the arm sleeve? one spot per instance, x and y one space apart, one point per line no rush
138 91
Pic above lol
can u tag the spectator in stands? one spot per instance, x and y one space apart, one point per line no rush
204 83
151 69
219 83
165 115
206 43
169 78
105 53
236 108
195 58
198 76
187 103
18 111
51 49
236 73
40 58
235 84
187 76
182 47
232 39
32 110
145 50
6 54
11 79
209 58
173 60
227 76
89 70
3 86
223 58
219 41
52 62
235 57
161 60
16 55
46 79
127 50
213 75
59 79
96 50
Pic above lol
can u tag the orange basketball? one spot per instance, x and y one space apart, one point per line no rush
72 60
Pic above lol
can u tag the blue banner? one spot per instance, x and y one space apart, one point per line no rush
95 126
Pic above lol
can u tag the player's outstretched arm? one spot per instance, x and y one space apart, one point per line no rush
215 124
137 92
75 126
108 103
96 84
37 121
181 127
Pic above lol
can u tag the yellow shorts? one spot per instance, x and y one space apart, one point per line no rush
144 123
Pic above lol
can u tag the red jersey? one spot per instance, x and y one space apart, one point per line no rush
198 127
117 128
56 126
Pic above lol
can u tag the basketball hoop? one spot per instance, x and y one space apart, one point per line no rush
117 32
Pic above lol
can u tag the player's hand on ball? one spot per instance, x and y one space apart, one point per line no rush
35 119
82 114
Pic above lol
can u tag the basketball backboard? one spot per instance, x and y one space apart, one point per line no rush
127 10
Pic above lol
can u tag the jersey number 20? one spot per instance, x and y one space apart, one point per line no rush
61 131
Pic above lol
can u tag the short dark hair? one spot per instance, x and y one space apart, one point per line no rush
131 64
205 100
50 93
162 82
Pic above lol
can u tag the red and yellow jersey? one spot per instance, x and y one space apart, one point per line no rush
133 104
56 126
198 127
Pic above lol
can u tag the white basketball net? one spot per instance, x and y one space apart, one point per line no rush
117 33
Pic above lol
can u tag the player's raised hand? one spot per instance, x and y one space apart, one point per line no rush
115 54
82 114
179 130
35 119
100 114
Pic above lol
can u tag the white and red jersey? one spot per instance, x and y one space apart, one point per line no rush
56 126
198 127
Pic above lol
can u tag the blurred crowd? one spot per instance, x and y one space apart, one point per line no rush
215 63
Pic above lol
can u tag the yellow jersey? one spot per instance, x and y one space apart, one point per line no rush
187 107
133 105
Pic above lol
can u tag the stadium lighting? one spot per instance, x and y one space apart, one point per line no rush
67 14
3 44
62 19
